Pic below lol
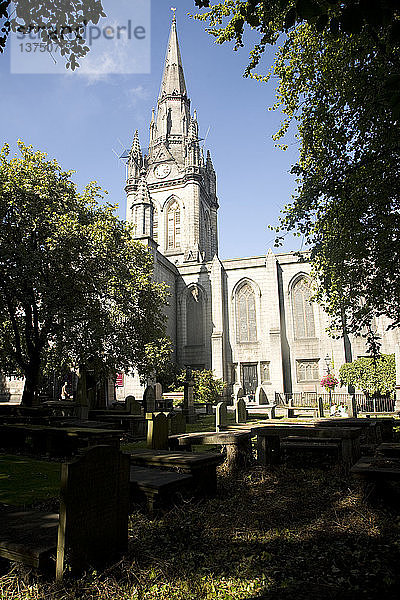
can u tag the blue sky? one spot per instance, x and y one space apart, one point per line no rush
81 119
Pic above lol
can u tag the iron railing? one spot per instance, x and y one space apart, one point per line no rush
364 403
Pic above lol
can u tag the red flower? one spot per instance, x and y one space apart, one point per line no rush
329 381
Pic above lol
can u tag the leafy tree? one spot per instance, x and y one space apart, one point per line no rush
75 288
60 21
206 387
272 16
371 376
343 92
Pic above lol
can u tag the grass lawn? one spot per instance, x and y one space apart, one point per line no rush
24 480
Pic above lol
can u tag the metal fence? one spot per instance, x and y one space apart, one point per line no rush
364 404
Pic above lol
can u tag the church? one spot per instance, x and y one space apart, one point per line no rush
250 320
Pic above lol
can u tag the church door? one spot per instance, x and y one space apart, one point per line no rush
250 379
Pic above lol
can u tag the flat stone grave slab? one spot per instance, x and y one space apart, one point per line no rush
377 468
201 465
157 486
28 536
269 438
390 450
236 443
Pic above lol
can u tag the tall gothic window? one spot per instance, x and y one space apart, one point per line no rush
174 226
155 224
246 326
194 318
303 314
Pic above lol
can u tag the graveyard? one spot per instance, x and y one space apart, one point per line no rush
193 501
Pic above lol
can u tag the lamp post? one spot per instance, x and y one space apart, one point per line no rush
328 364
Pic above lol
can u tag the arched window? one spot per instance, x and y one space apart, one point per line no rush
155 224
246 326
194 318
303 314
174 226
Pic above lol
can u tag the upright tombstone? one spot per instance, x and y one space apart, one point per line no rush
82 404
261 396
221 416
352 406
149 400
177 423
94 503
159 397
320 407
132 406
240 411
188 400
157 431
239 394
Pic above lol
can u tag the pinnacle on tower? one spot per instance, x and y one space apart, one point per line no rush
142 195
136 145
173 81
135 157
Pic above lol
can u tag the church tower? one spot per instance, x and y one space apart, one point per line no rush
171 190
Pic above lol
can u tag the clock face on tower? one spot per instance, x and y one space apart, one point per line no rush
162 171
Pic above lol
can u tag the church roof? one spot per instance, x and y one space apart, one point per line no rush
173 81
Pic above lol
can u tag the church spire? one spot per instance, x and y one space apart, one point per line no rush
173 81
173 107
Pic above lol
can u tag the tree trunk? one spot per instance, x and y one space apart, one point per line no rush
32 378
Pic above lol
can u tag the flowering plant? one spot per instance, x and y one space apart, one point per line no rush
329 381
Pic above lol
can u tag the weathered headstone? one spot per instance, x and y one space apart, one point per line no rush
82 404
221 416
177 423
352 406
157 431
159 401
239 394
188 402
149 400
133 407
320 404
94 502
240 411
261 396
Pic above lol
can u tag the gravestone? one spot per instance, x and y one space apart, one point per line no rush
132 405
149 400
177 423
188 402
82 404
221 416
94 503
157 431
159 397
352 407
240 411
261 396
239 394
